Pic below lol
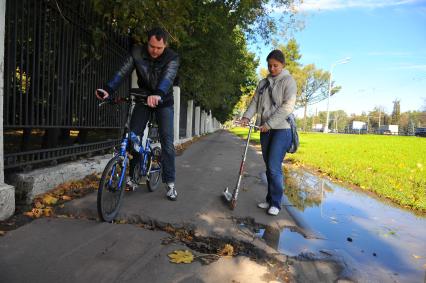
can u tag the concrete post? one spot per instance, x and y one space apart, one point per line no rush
203 123
176 97
7 192
197 121
210 122
206 120
189 116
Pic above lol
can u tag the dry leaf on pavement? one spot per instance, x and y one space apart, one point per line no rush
66 198
227 250
48 211
34 213
49 200
38 205
180 256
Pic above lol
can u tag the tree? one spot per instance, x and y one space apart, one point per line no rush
211 38
396 113
312 87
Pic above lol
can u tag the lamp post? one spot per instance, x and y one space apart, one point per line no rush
341 61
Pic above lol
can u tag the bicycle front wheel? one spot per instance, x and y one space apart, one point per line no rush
111 189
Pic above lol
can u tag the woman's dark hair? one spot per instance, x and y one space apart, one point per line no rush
159 34
277 55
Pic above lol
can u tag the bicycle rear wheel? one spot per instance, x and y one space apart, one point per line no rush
153 179
111 189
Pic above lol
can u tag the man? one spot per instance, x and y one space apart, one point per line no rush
156 67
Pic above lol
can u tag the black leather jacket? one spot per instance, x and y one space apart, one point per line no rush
154 75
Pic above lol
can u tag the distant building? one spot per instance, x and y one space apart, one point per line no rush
358 127
388 130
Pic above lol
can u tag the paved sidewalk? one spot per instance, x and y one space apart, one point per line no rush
84 250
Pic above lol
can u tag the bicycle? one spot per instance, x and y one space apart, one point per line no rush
113 181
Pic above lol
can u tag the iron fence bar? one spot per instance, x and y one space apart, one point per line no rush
27 59
15 32
21 68
39 156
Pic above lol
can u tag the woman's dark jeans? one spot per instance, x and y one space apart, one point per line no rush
164 118
275 144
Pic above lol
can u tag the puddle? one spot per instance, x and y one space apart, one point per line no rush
376 241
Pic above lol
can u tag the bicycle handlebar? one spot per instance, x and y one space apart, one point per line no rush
136 96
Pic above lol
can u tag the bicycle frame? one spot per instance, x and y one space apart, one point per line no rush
144 153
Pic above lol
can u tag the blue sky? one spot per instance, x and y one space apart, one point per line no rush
386 41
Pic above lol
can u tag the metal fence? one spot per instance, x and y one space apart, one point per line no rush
51 72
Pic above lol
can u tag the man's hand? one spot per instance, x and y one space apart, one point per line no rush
153 100
101 94
244 121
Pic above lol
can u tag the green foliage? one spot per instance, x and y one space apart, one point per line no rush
210 36
393 167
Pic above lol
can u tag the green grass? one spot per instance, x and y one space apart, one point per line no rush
390 166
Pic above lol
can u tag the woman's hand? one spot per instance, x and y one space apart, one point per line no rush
244 121
263 128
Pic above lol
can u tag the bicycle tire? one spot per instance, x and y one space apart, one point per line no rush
154 178
107 212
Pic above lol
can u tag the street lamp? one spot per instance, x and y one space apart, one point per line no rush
341 61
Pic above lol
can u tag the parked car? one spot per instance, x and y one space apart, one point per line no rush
420 132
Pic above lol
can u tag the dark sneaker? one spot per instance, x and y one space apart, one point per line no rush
171 192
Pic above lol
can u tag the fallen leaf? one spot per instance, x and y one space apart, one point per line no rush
416 256
2 233
180 256
227 250
66 198
48 211
38 205
49 200
34 213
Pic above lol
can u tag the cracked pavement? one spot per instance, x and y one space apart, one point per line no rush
82 249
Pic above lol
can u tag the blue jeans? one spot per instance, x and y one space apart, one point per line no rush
275 144
164 118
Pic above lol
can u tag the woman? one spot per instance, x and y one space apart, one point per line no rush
273 101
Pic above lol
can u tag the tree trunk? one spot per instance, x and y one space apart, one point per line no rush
304 117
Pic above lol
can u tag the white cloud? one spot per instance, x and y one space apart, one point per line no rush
421 67
323 5
388 53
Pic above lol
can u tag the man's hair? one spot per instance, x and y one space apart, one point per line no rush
159 34
277 55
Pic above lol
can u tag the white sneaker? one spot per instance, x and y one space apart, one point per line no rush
273 210
131 185
263 205
171 192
